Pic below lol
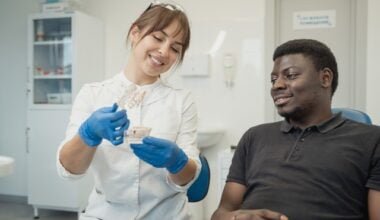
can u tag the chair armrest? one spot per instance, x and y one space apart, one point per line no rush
199 189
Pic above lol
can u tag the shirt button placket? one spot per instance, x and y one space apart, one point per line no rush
296 153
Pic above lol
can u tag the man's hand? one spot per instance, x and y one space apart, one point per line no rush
104 123
161 153
258 214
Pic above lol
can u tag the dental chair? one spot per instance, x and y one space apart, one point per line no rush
199 189
353 114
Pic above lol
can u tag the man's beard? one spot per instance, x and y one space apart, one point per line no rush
295 114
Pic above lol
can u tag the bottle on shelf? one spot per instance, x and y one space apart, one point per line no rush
40 35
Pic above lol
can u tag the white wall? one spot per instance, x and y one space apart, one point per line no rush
373 70
13 63
234 109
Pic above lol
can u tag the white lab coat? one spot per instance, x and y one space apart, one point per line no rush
126 187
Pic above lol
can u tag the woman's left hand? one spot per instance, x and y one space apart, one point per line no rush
161 153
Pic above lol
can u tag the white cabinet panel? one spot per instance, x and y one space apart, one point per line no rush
45 188
65 51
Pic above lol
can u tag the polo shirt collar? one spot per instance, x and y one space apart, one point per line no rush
323 127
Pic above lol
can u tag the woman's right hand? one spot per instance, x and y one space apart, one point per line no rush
104 123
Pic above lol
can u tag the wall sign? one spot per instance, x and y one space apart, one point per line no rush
314 19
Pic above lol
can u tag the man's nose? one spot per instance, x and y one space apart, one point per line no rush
279 83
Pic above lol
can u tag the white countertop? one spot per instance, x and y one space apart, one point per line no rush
6 165
209 136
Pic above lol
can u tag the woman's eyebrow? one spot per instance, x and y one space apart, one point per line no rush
167 35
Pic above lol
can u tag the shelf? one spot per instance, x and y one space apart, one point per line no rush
53 77
46 106
52 42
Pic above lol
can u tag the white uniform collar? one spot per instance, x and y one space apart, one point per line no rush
126 83
160 90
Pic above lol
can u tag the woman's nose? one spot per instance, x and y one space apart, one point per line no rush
164 49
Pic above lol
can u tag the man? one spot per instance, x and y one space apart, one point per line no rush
312 165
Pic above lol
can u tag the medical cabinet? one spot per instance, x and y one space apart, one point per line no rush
65 50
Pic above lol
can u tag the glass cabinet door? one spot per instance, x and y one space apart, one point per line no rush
52 61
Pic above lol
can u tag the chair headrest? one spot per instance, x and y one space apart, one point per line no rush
354 115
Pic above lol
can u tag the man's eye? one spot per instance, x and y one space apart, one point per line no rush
292 75
273 80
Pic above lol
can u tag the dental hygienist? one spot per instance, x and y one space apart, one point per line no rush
137 181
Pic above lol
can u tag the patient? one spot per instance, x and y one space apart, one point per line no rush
312 165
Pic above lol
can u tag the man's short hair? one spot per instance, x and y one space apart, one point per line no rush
318 52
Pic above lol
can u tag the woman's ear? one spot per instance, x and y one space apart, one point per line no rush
134 35
326 77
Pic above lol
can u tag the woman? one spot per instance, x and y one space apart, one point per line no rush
146 180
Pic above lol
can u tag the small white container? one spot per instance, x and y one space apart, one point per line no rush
137 133
6 165
54 98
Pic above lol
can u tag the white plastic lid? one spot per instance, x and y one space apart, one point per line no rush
6 165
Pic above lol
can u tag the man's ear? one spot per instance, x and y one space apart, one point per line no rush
326 77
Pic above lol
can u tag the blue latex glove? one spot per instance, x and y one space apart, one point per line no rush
161 153
104 123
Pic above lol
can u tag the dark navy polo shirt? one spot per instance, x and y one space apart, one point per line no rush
321 172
